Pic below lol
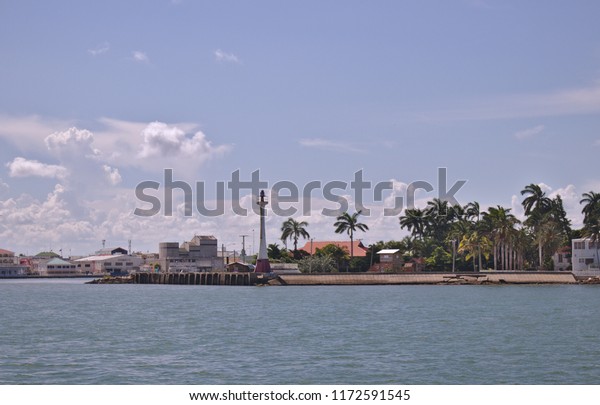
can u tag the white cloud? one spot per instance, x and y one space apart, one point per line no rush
112 175
140 56
221 56
529 133
99 49
73 143
326 144
161 140
21 167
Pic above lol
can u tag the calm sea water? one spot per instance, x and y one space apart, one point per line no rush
66 332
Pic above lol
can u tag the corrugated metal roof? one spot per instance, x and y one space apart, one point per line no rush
388 251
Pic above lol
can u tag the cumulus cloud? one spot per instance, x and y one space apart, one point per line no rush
21 167
112 175
221 56
73 143
140 56
99 49
161 140
529 133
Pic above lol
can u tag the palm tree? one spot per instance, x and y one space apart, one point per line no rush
500 225
349 224
472 210
293 230
536 199
414 221
473 213
591 220
439 218
273 251
473 245
592 203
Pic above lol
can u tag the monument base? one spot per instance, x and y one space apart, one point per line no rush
262 266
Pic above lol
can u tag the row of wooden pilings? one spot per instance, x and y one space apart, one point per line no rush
211 278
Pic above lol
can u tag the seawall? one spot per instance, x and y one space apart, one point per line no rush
427 278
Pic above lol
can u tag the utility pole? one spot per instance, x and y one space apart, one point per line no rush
243 253
453 255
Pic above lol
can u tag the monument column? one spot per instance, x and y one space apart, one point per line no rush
262 261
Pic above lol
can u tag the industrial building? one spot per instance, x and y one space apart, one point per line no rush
197 255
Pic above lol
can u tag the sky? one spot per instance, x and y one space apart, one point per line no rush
98 97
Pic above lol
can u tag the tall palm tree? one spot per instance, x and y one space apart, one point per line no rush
414 221
439 218
293 230
473 213
592 203
591 220
349 224
536 199
500 225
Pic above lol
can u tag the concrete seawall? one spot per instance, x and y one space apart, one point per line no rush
427 278
249 279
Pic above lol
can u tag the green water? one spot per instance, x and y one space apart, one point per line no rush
65 332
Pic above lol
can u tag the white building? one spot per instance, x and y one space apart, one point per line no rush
58 267
562 259
585 256
102 264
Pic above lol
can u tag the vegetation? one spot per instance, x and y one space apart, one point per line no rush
317 264
466 237
591 219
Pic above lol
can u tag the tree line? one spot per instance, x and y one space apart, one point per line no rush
466 237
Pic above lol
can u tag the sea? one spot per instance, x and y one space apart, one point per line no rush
63 331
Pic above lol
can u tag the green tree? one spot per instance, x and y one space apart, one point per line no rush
349 224
293 230
317 264
415 221
473 246
273 251
440 260
499 224
337 254
536 199
591 220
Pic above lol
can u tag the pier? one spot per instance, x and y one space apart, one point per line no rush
204 278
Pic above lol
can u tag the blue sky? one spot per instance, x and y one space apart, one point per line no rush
98 96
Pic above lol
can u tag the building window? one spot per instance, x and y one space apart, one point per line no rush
579 245
594 245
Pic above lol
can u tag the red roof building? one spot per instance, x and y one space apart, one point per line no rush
359 249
